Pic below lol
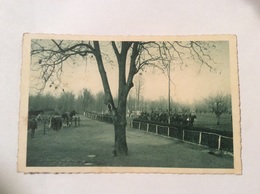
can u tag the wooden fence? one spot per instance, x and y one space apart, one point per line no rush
100 117
211 140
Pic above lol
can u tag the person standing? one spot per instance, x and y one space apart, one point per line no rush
33 126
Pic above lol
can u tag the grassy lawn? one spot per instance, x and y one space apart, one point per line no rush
209 120
91 144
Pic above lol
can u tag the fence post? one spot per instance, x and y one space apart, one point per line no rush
44 123
219 142
156 129
200 139
183 135
147 128
139 127
168 131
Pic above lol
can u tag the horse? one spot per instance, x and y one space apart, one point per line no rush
34 113
191 119
68 117
56 122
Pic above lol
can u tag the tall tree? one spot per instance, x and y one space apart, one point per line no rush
219 104
131 101
139 85
66 102
50 55
87 100
99 102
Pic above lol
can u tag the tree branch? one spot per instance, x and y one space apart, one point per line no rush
115 50
133 70
108 95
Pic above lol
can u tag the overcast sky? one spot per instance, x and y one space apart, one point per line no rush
188 84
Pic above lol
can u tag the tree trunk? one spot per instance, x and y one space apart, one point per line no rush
218 119
120 147
123 89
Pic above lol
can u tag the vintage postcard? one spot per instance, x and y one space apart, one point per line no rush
129 104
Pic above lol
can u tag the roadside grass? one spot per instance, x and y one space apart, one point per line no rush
91 144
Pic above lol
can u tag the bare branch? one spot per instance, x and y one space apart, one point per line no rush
115 50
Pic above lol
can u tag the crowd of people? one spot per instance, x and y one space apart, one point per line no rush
53 119
164 117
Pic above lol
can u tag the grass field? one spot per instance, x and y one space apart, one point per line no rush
209 120
91 144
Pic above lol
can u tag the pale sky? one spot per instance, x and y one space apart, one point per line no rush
188 84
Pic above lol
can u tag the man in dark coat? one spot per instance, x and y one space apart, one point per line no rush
32 124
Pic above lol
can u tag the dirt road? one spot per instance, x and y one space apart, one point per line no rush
91 144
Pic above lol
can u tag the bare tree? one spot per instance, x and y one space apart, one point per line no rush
201 106
219 104
50 55
131 102
42 102
99 102
87 100
139 85
66 102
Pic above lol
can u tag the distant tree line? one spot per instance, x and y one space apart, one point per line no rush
86 101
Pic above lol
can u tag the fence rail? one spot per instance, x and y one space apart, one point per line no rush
99 117
211 140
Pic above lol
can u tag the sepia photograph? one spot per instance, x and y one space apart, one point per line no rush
129 97
131 104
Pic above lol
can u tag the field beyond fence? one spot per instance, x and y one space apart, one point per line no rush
214 139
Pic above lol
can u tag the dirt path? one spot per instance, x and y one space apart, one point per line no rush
91 144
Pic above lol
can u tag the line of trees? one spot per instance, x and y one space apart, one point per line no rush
85 101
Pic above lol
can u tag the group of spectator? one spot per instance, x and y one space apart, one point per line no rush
164 117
